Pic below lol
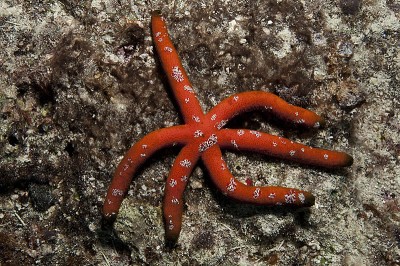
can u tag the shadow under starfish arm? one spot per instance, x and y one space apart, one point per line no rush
250 140
266 195
134 158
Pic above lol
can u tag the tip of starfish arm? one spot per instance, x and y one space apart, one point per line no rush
343 160
321 123
310 200
109 215
107 221
171 239
348 160
156 13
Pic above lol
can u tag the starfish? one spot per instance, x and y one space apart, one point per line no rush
202 137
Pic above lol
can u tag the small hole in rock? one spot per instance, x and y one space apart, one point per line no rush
70 149
13 140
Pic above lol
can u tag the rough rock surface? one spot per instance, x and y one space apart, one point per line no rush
80 83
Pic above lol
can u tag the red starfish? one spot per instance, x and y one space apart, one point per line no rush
202 137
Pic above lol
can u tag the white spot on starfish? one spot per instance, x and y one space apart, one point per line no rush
168 49
196 118
221 124
177 74
233 142
211 141
198 133
117 192
223 167
291 197
255 133
170 223
185 163
175 201
232 185
256 193
188 89
302 198
173 182
240 132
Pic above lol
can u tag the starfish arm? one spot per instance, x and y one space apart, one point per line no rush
247 101
268 195
250 140
177 77
134 158
174 188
